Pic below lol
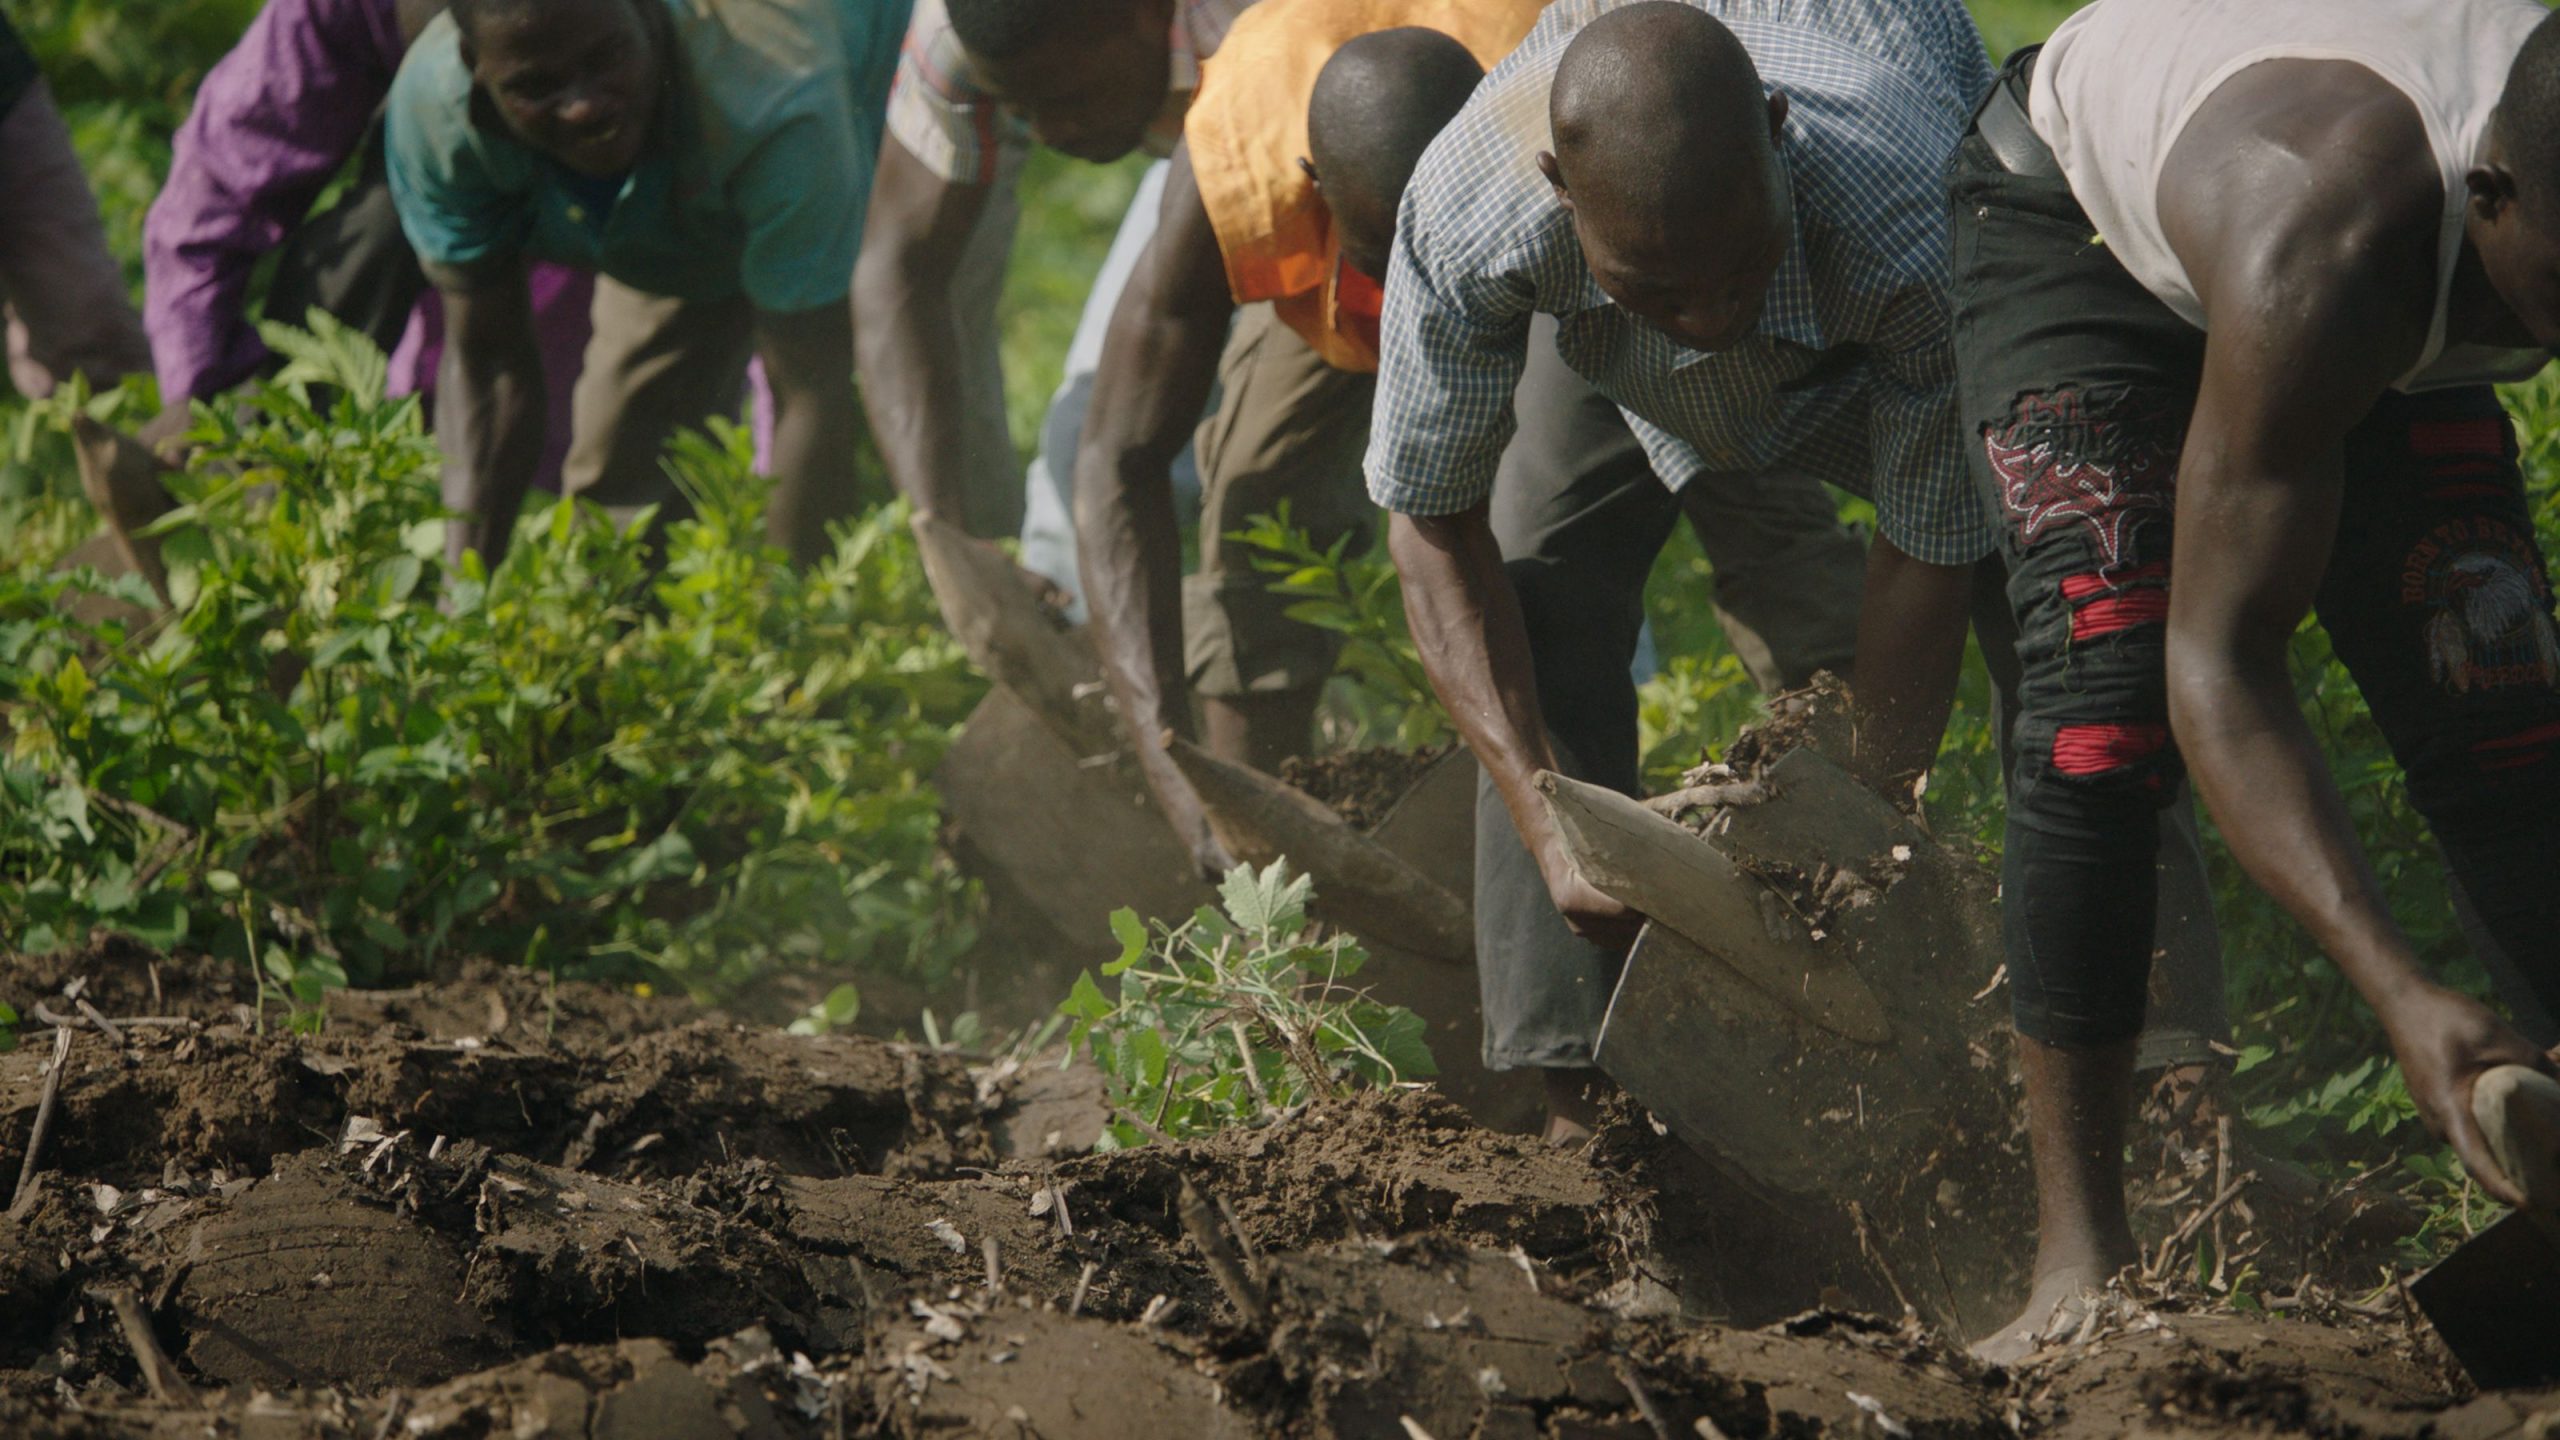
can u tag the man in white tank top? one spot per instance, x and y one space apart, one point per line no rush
2229 282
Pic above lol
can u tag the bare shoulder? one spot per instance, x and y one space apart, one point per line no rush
2307 188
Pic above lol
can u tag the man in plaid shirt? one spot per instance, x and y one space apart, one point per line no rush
1727 217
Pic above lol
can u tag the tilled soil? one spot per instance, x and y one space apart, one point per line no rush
501 1208
1361 786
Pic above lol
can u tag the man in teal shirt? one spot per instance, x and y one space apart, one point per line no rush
711 160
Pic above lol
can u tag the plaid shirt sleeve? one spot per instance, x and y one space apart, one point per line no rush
940 114
1676 462
1452 342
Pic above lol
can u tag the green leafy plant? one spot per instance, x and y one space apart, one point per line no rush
337 762
838 1008
1380 686
1236 1015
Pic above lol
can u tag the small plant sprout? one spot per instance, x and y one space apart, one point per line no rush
1236 1015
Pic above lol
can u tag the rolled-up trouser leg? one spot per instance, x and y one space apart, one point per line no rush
1579 515
2438 599
74 313
1287 433
655 365
2190 1012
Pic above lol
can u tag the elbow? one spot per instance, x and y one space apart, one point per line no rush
1424 539
894 273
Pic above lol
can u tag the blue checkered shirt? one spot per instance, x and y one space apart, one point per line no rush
1849 379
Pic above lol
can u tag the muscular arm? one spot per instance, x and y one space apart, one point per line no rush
1159 359
490 412
910 350
808 359
2318 293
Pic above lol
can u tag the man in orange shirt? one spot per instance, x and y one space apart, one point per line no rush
1278 214
1260 280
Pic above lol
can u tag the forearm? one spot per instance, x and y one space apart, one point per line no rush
808 362
489 423
1129 549
2260 769
909 354
1911 629
1467 624
813 476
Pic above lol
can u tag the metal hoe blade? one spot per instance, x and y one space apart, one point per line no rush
2496 1302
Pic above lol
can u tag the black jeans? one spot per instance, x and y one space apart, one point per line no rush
2076 388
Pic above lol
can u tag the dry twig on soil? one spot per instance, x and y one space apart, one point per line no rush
1219 1248
44 1121
158 1370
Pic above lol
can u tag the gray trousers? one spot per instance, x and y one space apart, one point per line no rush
1580 516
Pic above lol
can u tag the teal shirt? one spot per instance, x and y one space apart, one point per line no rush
755 178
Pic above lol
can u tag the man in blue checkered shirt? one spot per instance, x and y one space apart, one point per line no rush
1728 217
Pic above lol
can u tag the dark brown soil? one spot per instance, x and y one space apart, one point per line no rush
492 1208
1360 785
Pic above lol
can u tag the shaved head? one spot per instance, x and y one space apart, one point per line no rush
1666 153
1378 104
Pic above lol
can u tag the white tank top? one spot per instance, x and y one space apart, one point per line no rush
2118 82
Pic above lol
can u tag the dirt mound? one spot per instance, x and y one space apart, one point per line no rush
220 1097
1361 786
303 1280
1375 1167
451 1222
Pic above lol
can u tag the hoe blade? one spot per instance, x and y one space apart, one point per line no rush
2496 1302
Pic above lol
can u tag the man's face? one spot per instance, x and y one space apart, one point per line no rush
1704 283
2519 245
1092 96
577 80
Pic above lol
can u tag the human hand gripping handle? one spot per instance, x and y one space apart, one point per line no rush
2447 1043
1587 912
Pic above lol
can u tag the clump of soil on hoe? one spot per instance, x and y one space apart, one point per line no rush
495 1208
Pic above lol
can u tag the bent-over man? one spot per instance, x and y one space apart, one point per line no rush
711 162
2231 285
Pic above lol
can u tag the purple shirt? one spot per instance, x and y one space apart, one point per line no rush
272 124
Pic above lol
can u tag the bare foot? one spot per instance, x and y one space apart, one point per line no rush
1575 1099
2055 1309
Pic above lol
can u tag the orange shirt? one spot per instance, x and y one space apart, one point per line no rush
1248 130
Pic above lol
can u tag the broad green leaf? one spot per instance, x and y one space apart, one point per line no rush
1405 1040
1085 1001
1132 933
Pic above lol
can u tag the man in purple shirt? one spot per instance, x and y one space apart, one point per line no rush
273 123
